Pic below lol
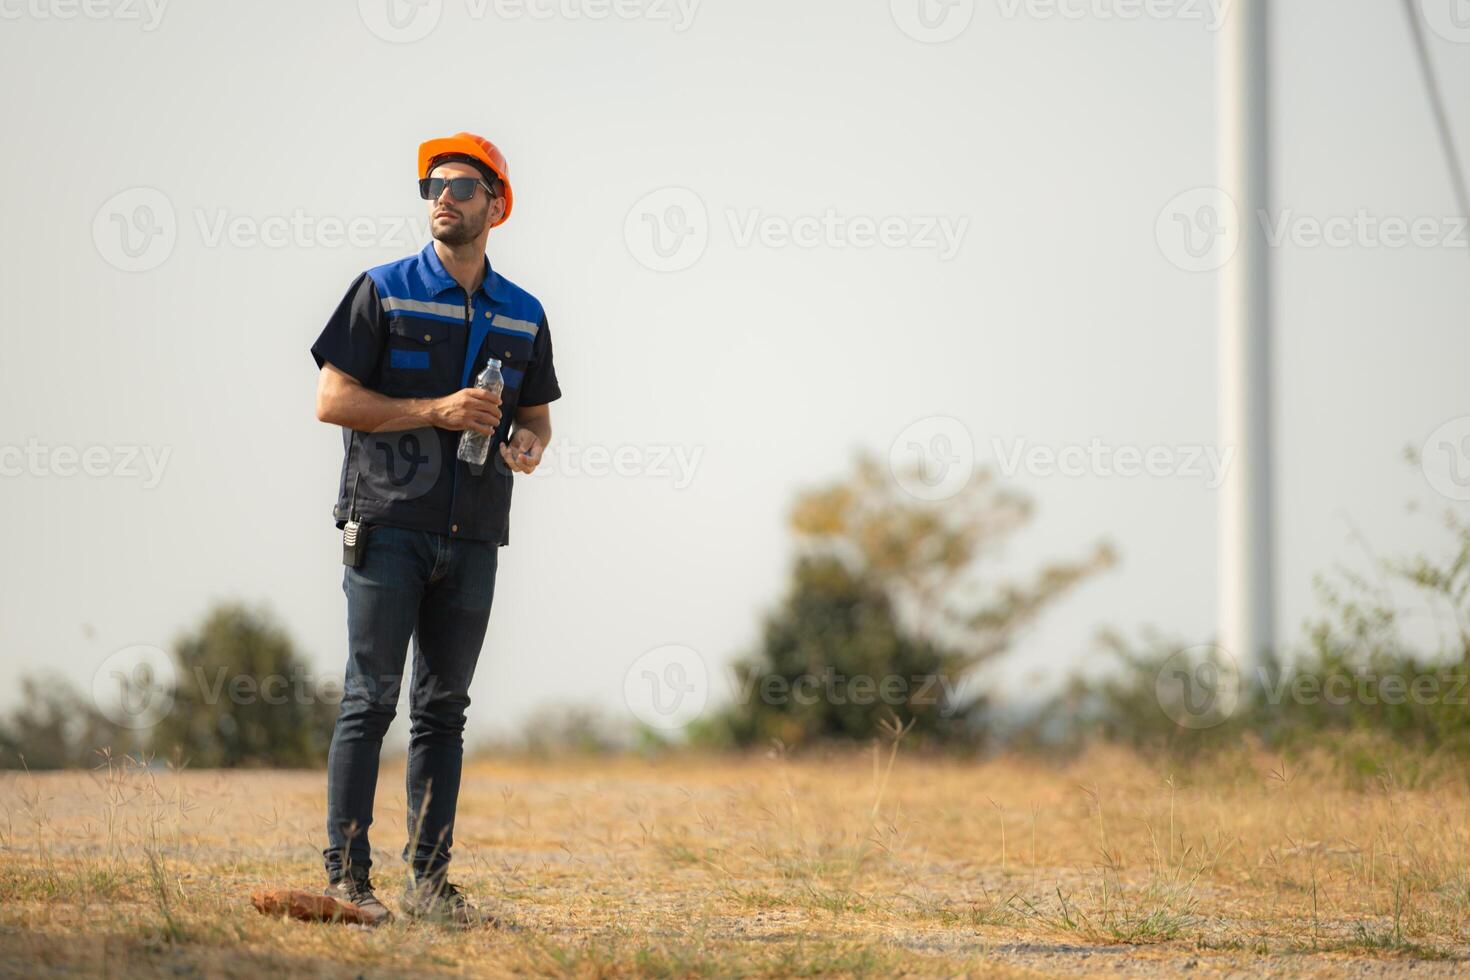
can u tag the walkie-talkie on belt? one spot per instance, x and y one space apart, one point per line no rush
354 534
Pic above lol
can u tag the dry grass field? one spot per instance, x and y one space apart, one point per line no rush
864 863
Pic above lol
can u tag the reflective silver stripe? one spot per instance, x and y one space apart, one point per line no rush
394 305
519 326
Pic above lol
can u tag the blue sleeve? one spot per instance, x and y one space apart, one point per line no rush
352 341
540 386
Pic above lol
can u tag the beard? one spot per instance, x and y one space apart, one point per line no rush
458 231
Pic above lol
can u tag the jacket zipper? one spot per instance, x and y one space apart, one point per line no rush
469 320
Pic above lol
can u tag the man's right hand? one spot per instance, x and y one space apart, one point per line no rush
342 400
468 408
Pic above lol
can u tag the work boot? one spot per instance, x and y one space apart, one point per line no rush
433 898
357 890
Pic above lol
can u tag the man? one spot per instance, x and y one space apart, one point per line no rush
398 361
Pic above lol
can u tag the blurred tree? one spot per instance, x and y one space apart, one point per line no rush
240 696
55 727
1366 687
887 614
565 730
244 697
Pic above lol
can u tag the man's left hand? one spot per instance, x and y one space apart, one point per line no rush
523 452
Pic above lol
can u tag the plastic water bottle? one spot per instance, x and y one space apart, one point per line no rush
474 447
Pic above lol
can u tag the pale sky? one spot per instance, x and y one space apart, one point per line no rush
1044 141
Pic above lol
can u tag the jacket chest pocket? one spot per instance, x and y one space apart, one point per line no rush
417 355
514 354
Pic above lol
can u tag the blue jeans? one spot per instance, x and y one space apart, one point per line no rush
437 590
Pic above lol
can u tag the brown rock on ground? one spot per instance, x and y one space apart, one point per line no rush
306 906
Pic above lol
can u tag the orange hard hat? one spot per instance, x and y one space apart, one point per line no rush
475 147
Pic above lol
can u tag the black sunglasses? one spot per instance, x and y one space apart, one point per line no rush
460 188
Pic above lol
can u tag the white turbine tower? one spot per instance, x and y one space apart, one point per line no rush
1247 534
1247 588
